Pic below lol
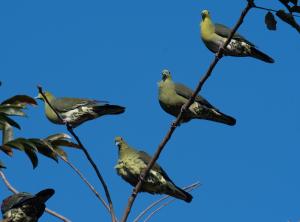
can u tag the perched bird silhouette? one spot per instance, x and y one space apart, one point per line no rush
25 207
132 162
214 35
76 111
172 96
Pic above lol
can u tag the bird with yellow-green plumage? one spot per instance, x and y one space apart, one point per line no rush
215 35
76 111
132 162
172 96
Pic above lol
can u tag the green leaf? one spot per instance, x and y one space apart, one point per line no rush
270 21
12 110
30 152
5 118
58 136
2 165
21 100
43 148
6 149
60 151
295 9
288 18
65 143
16 144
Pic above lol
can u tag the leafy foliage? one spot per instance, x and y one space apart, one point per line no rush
50 147
2 165
288 17
13 106
270 21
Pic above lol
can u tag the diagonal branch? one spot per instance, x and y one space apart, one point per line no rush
188 189
161 146
88 156
79 173
13 190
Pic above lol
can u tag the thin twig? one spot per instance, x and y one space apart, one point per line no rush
188 188
218 56
88 156
79 173
159 208
13 190
271 10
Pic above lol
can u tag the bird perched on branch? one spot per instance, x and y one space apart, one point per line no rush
172 96
132 162
214 36
76 111
25 207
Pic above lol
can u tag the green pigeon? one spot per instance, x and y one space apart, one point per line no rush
76 111
172 96
132 162
214 35
25 207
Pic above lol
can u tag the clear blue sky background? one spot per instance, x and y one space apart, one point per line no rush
115 51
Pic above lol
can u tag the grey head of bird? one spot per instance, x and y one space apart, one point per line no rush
48 95
166 75
205 14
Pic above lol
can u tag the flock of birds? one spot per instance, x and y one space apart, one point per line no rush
25 207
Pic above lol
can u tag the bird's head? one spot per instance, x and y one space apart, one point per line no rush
118 141
205 14
166 74
47 94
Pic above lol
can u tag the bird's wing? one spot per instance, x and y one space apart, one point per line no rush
67 104
185 92
146 159
15 201
224 31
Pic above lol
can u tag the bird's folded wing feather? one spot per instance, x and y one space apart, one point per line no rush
146 158
20 199
67 104
224 31
185 92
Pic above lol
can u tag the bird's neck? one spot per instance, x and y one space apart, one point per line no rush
124 151
207 28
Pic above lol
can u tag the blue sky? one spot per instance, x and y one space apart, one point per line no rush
115 51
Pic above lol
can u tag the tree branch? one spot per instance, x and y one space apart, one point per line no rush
13 190
78 172
88 156
271 10
161 146
188 188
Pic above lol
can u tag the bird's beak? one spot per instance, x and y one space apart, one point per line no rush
39 97
117 143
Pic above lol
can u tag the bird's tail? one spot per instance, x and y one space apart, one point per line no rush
44 195
217 116
108 109
181 194
261 56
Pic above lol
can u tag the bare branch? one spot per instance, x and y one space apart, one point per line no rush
13 190
188 188
161 146
79 173
271 10
88 156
